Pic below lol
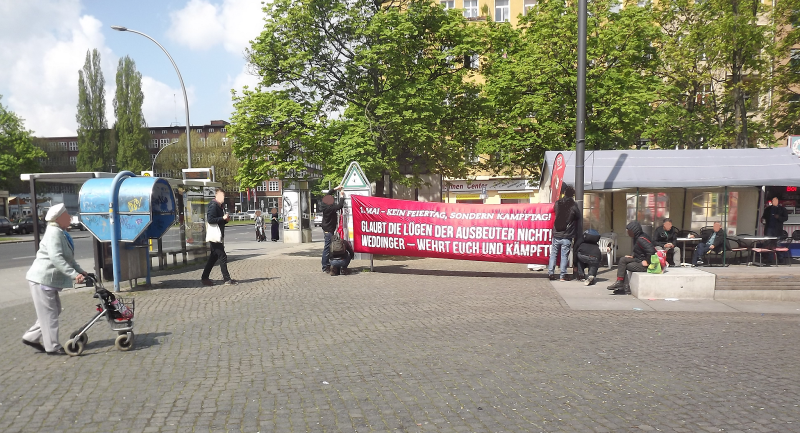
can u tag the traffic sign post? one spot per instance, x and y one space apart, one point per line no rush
354 182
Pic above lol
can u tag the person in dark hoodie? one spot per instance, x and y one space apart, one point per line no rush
665 238
643 250
330 221
588 256
565 227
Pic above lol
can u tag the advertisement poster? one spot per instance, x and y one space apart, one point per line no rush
512 233
291 209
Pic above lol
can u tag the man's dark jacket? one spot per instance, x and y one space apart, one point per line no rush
717 240
566 210
774 217
662 237
330 218
589 253
214 215
643 248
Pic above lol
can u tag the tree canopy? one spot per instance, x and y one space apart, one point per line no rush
130 128
94 144
17 152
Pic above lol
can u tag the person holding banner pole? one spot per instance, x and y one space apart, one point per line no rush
330 209
565 226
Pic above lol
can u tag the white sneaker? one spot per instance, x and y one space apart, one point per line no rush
588 280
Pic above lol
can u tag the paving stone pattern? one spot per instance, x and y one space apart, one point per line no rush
419 345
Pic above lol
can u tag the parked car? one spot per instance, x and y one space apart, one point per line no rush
251 214
5 225
318 220
75 223
25 225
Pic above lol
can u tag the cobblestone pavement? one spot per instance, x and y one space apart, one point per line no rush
419 345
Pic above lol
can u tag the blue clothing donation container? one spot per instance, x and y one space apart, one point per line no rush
146 211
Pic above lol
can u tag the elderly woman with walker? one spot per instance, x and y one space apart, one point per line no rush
53 269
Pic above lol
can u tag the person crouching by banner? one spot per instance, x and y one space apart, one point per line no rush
330 220
567 219
643 251
588 257
53 270
340 260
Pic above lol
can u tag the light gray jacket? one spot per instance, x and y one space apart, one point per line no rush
55 264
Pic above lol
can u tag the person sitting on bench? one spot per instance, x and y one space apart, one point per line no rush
712 241
665 238
643 250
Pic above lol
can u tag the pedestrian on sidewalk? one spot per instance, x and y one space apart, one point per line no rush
275 224
565 227
215 215
259 223
643 250
53 269
330 220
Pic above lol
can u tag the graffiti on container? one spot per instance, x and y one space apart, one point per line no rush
134 204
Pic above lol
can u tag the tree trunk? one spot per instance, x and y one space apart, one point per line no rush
379 187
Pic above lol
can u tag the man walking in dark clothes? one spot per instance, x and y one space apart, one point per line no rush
643 250
330 221
215 215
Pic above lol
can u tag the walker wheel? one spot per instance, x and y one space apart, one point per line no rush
73 347
84 338
124 341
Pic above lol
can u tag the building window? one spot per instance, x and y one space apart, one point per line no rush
154 143
528 5
224 140
648 209
448 4
199 131
73 146
73 160
794 98
174 131
223 130
164 142
502 12
62 145
274 186
470 8
794 61
704 94
709 207
594 208
153 157
210 129
152 132
163 131
471 61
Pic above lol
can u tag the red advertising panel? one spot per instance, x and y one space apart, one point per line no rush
514 233
559 165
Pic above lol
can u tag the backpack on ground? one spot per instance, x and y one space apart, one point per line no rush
338 249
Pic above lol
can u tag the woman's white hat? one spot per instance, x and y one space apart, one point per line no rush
55 212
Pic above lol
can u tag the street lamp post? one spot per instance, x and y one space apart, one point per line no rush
185 99
580 131
153 166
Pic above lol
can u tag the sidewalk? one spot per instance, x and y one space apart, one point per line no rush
418 345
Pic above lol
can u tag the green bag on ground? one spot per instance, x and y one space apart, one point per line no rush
655 265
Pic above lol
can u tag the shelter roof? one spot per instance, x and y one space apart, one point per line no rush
623 169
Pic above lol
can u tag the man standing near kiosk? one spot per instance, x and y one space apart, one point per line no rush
330 220
216 216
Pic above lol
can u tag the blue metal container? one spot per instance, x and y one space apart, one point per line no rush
146 208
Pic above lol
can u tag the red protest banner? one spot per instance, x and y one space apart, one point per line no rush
514 233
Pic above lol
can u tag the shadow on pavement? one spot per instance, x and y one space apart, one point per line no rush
141 341
402 269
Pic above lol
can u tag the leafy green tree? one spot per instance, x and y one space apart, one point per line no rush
785 110
130 128
716 64
95 150
384 83
211 151
17 152
531 80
